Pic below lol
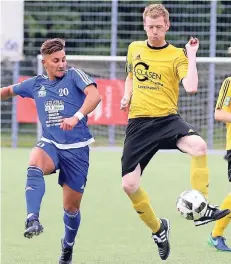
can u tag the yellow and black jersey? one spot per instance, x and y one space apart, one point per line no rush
156 74
224 103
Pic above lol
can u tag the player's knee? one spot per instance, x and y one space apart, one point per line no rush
130 187
35 162
199 148
71 207
39 158
131 181
130 184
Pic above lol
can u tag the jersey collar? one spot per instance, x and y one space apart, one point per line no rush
158 48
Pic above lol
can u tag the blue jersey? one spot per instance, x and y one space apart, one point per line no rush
58 99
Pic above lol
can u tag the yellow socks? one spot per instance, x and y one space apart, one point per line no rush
199 175
143 207
221 224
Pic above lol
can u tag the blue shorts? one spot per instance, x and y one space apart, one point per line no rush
72 164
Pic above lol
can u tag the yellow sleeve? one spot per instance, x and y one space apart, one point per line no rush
182 65
129 66
224 98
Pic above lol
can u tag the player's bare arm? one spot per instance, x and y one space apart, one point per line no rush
190 82
221 115
91 101
127 93
7 92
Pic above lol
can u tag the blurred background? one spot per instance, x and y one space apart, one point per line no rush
93 29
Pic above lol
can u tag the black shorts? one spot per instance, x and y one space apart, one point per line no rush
229 164
146 135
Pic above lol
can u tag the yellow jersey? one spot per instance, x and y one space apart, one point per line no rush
224 103
156 74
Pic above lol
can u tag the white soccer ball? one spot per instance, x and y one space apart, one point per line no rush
192 204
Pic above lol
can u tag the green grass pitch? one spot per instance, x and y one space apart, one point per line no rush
110 231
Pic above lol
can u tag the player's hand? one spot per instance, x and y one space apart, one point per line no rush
124 103
192 46
69 123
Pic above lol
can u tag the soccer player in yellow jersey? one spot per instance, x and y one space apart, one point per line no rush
155 69
223 113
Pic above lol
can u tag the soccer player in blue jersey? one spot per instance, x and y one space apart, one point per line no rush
63 99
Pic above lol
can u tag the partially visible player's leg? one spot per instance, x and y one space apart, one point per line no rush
195 146
138 151
40 164
216 238
222 224
74 166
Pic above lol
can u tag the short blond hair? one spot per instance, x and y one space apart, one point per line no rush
155 11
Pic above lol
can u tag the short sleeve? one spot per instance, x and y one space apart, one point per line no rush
25 88
129 66
224 98
182 65
81 79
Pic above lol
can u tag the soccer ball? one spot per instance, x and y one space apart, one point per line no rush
192 205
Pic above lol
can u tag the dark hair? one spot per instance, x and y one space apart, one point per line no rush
52 45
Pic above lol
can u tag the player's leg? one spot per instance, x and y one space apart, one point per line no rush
138 151
71 219
216 239
195 146
74 166
140 199
222 224
40 164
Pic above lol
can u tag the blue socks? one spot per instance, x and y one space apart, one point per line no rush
35 189
72 222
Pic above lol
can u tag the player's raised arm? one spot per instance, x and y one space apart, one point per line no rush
190 81
7 92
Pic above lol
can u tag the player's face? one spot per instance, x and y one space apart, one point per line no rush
156 29
55 64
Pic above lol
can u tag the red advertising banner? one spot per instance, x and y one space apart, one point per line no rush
26 110
107 112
